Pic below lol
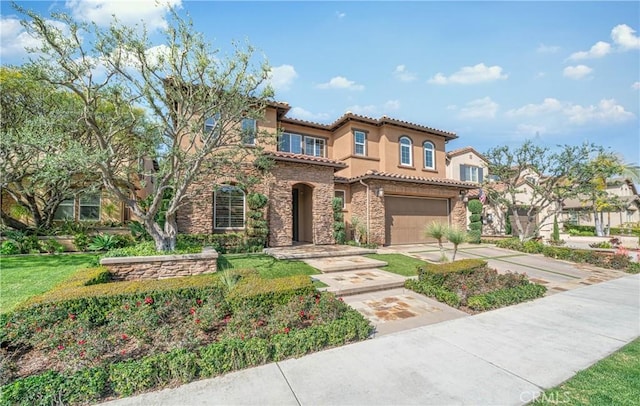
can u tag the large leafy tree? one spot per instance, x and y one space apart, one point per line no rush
194 99
41 144
534 180
592 184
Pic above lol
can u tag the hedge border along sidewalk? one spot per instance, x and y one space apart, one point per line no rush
179 366
617 261
432 277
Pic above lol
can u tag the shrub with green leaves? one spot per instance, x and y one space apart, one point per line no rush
119 338
475 225
339 228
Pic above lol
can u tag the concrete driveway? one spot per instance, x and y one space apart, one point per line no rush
557 276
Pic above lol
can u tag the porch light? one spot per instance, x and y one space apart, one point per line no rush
380 192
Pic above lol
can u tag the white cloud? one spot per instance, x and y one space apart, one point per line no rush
623 36
553 113
401 73
607 111
299 112
282 77
392 105
470 75
598 50
374 109
479 108
340 14
340 82
549 105
128 12
368 110
547 49
14 40
635 86
576 72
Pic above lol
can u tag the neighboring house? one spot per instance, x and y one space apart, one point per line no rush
624 213
390 174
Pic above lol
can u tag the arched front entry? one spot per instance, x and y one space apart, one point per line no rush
302 212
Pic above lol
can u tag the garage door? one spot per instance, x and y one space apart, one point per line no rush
406 218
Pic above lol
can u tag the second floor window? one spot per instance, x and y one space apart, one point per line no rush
210 124
429 155
360 143
249 131
299 144
405 152
470 173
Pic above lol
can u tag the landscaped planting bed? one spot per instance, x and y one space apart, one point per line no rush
88 340
472 286
619 260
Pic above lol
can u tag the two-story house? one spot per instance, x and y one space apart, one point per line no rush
391 176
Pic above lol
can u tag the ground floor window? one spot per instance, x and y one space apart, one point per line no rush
89 207
340 194
66 210
229 208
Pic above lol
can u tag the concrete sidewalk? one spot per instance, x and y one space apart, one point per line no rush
504 357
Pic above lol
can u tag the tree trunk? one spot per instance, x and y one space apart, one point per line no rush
13 223
598 224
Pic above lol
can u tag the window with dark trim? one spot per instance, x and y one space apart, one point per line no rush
406 157
228 208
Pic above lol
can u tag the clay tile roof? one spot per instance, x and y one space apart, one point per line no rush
305 159
349 116
464 150
417 179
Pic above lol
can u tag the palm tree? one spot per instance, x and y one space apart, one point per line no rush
438 231
456 237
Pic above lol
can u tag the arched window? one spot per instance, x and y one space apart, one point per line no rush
228 208
429 155
406 157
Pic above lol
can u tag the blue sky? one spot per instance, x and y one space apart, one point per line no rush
495 73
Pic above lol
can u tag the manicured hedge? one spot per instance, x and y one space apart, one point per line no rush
180 366
506 297
438 293
614 230
471 283
621 262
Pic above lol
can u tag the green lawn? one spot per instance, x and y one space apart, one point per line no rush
613 381
24 276
267 266
398 263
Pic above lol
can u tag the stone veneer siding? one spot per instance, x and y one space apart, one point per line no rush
392 188
161 266
282 178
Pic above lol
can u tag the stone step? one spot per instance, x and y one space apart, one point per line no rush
338 264
317 251
359 281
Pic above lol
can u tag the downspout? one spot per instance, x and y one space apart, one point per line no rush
368 212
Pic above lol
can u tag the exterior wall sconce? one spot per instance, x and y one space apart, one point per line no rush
380 192
463 196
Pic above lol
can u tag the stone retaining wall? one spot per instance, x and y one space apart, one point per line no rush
161 266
